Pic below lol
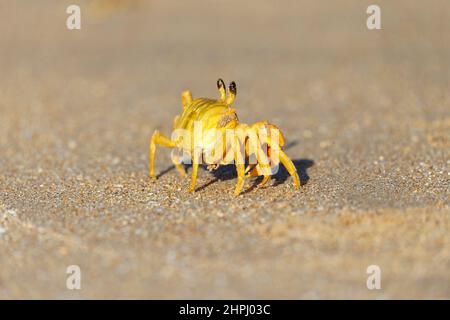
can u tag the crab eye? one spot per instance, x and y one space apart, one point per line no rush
220 84
233 89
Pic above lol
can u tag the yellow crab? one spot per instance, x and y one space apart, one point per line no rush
208 131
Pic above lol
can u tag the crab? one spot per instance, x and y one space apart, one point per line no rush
208 132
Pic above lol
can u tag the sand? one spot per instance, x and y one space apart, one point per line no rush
366 115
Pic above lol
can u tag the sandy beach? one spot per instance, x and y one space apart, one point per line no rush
365 113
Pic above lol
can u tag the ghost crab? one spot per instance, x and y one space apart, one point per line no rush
208 131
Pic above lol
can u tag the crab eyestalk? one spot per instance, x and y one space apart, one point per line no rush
233 92
222 89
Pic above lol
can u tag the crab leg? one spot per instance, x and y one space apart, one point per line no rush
263 182
178 165
157 138
289 167
284 159
195 163
240 166
263 164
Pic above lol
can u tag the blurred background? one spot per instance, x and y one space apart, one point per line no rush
366 115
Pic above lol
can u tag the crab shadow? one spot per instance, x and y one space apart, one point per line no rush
228 172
